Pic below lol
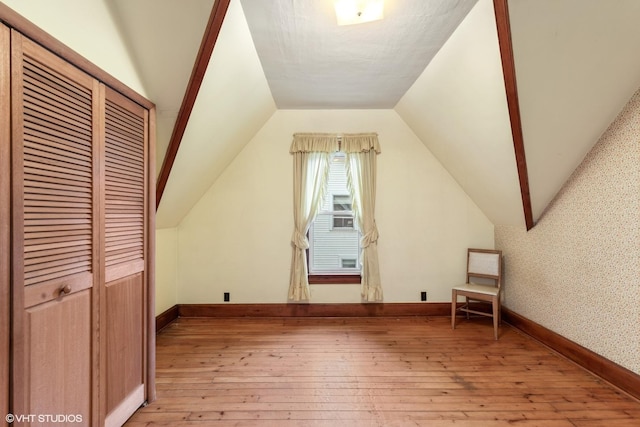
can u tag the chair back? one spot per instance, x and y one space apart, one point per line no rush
485 263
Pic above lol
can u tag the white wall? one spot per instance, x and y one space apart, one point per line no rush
86 27
237 237
166 268
458 108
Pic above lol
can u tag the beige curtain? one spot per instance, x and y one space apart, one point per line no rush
311 154
361 151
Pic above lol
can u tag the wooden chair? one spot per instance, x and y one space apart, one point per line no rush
483 264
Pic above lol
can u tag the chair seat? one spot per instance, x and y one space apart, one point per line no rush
476 288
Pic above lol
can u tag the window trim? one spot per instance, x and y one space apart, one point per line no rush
346 278
335 279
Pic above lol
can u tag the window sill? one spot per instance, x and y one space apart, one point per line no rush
334 279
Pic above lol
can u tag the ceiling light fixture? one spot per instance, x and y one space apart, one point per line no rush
351 12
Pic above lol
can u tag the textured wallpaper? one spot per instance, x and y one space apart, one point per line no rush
577 272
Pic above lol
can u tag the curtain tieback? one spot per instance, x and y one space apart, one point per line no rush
300 240
371 236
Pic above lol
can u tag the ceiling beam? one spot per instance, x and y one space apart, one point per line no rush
218 11
501 9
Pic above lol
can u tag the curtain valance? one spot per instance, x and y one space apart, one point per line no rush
314 142
360 143
332 142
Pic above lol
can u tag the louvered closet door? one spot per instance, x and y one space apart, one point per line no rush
125 177
54 233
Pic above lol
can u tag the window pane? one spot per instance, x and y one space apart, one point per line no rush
349 263
337 196
331 245
341 203
342 222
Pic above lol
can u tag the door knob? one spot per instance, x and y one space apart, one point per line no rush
65 290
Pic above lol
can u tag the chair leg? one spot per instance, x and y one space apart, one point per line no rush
454 301
467 303
496 317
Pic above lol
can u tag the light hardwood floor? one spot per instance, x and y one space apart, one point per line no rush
370 372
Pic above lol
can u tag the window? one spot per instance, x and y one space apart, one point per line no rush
334 241
340 221
342 203
313 158
348 262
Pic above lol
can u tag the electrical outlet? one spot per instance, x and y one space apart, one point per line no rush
423 296
226 297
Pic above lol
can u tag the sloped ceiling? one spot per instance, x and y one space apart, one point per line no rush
163 60
234 100
458 108
576 66
457 105
88 28
233 103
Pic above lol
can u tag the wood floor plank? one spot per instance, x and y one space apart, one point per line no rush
370 372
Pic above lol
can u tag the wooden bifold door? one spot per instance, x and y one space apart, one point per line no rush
55 233
123 292
80 252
